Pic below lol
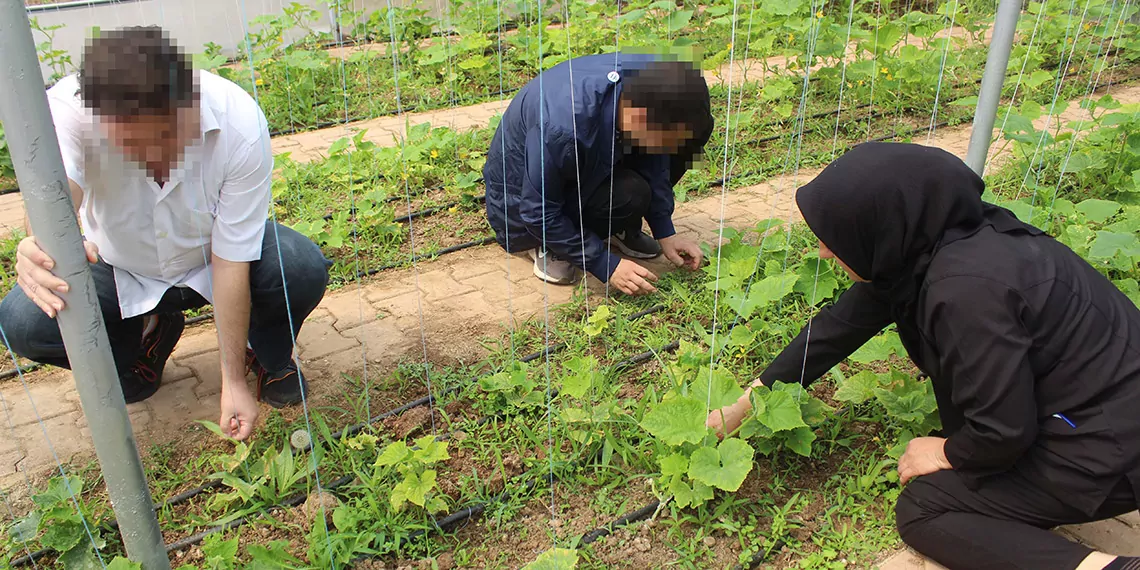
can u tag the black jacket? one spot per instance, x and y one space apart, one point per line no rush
1012 327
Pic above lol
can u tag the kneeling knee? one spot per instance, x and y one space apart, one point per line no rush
916 509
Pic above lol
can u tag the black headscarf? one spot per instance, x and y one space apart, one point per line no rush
884 209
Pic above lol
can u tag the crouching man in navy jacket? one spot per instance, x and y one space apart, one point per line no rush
587 151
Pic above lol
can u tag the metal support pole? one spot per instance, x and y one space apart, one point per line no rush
1005 24
47 200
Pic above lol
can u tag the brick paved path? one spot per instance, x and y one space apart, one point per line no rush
399 316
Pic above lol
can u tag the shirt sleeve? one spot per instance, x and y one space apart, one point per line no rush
69 119
983 353
543 198
243 202
832 335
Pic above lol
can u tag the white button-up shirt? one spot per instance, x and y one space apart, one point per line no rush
215 201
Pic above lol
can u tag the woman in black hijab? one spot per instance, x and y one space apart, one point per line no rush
1033 354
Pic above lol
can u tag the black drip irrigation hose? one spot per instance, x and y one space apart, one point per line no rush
349 431
647 511
760 557
626 519
293 501
469 512
462 514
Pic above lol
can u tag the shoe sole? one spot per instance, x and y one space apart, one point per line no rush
144 395
543 276
625 250
279 404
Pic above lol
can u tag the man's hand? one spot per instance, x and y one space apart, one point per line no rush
681 252
33 270
239 409
923 456
633 279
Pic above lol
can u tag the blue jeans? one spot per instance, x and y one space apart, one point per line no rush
35 336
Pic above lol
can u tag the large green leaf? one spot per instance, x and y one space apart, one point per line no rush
732 273
394 454
272 556
413 488
878 348
724 466
430 450
799 440
25 528
686 495
1098 211
906 399
81 557
677 420
781 7
678 20
59 490
717 388
1037 78
673 470
1108 244
63 535
762 293
555 559
779 411
120 563
582 374
858 388
1130 288
816 282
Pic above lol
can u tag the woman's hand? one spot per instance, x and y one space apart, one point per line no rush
923 456
728 419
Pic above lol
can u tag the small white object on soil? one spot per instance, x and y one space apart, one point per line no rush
300 440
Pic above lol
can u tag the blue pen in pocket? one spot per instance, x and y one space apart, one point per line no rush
1066 420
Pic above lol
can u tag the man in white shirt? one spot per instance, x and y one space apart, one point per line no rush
170 171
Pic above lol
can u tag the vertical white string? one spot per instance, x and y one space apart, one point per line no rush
503 153
1062 71
545 260
408 201
842 79
315 450
1094 81
942 73
723 199
51 447
577 160
613 143
1024 64
356 271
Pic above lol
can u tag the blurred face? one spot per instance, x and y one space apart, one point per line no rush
155 141
826 253
653 139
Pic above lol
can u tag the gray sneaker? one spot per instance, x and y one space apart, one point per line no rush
635 244
551 269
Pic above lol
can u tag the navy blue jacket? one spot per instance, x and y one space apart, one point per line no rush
549 147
